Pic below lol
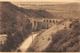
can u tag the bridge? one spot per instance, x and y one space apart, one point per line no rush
45 23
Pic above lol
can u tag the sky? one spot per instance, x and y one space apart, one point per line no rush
42 0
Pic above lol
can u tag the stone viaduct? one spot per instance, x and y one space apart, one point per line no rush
46 23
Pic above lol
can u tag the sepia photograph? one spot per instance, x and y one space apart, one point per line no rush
39 26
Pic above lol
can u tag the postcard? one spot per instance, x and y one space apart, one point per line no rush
39 25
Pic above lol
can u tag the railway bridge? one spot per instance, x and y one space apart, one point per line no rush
38 24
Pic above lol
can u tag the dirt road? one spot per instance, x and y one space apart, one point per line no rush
25 45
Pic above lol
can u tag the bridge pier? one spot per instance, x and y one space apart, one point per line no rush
34 25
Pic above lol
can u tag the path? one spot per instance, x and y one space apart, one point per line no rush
25 45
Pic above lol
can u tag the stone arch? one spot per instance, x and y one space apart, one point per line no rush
53 21
50 21
47 21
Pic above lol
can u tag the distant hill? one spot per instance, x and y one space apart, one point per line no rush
59 10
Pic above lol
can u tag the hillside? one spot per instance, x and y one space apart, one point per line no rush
12 24
64 40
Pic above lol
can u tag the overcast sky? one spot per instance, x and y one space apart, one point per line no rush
44 0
